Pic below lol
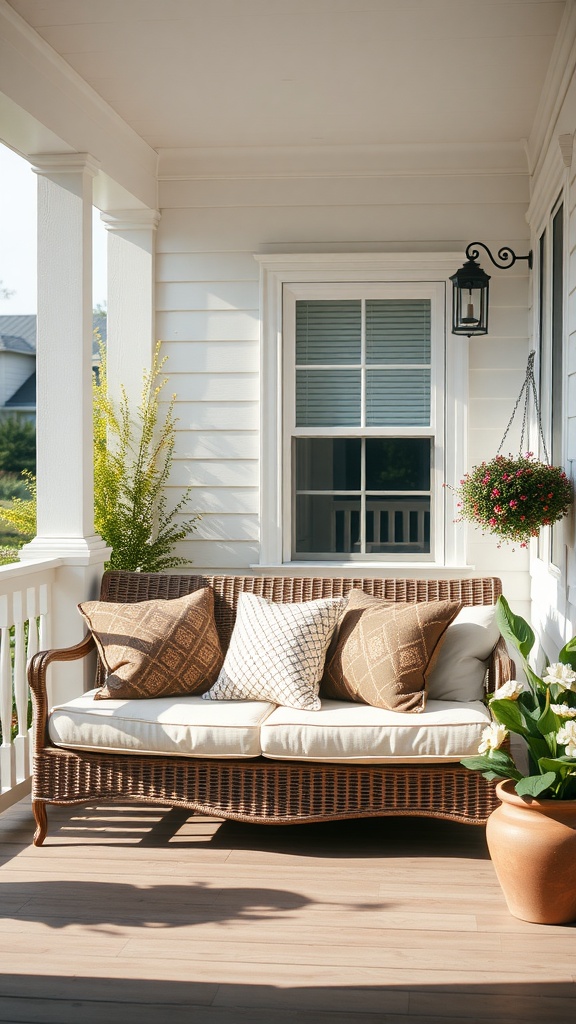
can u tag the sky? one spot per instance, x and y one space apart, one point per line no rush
18 238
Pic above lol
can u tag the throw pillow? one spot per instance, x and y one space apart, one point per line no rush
277 651
385 650
460 668
156 648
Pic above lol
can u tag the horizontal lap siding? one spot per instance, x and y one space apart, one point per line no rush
208 316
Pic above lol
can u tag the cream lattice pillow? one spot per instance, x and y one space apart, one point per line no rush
277 651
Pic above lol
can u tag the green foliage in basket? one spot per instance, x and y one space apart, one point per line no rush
512 497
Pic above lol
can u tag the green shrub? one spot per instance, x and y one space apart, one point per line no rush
17 445
132 463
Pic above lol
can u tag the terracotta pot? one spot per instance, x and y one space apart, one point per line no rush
532 844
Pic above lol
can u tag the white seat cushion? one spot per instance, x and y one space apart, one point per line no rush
360 734
184 726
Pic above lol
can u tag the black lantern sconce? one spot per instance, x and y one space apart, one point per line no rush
471 286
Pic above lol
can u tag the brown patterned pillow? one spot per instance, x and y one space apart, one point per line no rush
384 651
156 648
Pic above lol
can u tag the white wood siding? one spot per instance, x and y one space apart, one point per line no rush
208 316
15 368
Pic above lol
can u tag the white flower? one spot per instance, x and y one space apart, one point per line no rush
508 691
563 710
561 674
567 737
492 738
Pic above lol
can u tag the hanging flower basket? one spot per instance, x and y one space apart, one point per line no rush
513 496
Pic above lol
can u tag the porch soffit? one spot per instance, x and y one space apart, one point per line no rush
433 85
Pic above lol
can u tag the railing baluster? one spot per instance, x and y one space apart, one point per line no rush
7 766
25 610
20 689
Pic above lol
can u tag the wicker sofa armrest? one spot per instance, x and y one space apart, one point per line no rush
37 670
501 668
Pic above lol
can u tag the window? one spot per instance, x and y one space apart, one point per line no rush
363 441
358 435
551 543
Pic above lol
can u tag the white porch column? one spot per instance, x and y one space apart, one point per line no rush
65 476
131 305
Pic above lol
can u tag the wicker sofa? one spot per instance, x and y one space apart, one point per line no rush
258 788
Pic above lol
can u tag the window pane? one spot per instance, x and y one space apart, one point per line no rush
328 398
557 552
398 524
398 331
397 398
328 464
327 524
328 332
398 464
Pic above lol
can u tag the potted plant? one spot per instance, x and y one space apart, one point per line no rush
512 497
532 835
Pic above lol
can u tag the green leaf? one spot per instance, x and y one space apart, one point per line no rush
548 726
567 655
510 714
563 766
514 628
535 785
496 765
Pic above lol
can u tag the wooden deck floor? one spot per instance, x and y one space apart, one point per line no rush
140 914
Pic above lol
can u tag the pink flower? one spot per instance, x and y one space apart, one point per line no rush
513 504
485 479
498 508
492 522
523 497
522 518
495 493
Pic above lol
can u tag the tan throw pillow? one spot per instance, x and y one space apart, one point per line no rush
384 651
156 648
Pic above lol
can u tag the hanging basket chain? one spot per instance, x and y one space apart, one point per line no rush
528 385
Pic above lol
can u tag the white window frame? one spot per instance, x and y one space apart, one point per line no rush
543 564
412 274
435 294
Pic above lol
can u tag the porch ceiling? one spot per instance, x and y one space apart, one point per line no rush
309 73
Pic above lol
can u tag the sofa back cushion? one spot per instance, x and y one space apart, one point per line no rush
459 671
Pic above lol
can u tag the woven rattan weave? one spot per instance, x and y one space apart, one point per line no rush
271 792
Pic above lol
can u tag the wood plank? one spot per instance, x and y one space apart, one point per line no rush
133 912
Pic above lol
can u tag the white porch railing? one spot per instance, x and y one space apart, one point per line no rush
25 605
397 522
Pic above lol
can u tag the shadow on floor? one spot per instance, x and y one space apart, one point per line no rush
361 838
61 1000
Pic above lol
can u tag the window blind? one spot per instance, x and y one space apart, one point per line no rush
328 332
398 330
329 335
397 398
328 398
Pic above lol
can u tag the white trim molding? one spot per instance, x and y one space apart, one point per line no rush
312 268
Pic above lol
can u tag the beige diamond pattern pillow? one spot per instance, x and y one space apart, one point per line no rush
384 651
277 651
156 648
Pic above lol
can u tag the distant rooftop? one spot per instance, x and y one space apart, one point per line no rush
18 333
